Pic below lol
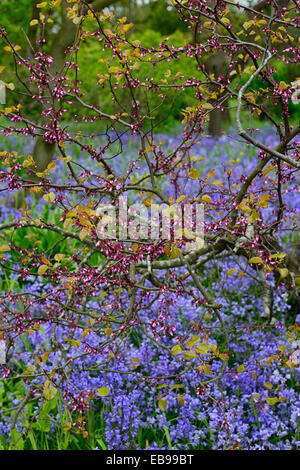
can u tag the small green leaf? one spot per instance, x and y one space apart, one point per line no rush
162 403
202 348
193 341
42 425
268 385
255 260
189 355
168 437
206 369
283 272
176 349
4 248
49 393
272 400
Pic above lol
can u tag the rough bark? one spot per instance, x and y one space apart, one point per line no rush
218 66
32 30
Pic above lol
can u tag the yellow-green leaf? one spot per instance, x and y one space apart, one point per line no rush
210 174
255 260
272 400
225 20
45 356
253 217
223 356
206 198
51 166
189 355
83 233
10 86
180 198
207 106
217 183
268 169
162 403
278 255
29 370
268 385
114 69
202 348
231 271
193 341
176 349
49 393
180 401
59 257
282 86
103 391
49 197
4 248
193 173
42 269
283 272
248 24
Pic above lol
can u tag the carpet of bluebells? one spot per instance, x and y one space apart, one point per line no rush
255 405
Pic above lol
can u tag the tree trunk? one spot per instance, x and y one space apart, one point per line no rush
217 65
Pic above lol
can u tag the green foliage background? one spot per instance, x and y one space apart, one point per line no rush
154 21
